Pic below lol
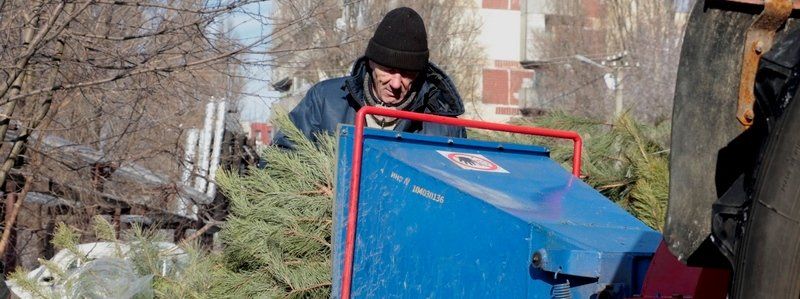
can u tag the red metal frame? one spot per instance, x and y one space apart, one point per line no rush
355 179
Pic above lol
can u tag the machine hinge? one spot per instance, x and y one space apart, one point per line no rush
759 40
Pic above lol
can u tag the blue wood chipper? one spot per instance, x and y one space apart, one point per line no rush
454 218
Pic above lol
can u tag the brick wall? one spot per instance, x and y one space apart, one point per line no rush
501 4
502 81
507 110
495 86
593 8
516 78
261 132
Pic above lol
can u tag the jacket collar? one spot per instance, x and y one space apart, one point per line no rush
437 95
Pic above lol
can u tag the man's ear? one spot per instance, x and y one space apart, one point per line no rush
370 68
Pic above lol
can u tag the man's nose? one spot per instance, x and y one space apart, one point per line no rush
395 82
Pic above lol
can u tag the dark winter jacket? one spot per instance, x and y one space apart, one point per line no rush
336 101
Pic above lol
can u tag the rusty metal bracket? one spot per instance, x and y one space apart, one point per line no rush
759 40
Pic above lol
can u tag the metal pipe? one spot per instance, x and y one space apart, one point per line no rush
219 130
205 143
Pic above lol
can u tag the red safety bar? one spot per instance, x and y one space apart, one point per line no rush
355 179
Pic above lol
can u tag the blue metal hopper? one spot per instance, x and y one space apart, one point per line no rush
456 218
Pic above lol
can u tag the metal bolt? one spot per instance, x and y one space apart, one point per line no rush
536 260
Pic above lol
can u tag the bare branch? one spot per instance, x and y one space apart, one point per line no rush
14 211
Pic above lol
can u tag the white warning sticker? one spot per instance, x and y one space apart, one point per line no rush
472 161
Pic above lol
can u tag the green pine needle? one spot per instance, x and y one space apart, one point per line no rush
103 230
20 278
66 237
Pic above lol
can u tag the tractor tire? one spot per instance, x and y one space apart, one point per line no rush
768 259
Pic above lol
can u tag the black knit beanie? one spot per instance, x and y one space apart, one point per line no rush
400 41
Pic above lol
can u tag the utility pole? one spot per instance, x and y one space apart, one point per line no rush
619 72
615 65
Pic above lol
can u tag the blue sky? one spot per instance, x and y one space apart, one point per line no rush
247 28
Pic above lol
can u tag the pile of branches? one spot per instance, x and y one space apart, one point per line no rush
277 237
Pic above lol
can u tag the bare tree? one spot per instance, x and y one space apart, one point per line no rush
88 87
625 52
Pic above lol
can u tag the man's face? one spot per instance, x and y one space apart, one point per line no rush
391 85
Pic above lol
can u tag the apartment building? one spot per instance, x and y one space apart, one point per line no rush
510 35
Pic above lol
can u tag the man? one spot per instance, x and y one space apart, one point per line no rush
394 73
